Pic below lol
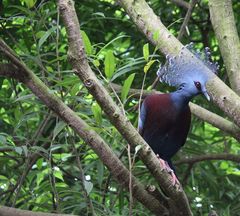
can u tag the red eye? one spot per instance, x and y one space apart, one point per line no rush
198 85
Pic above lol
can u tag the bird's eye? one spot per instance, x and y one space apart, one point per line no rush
198 85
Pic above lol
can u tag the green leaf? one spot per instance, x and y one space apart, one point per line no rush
156 35
30 3
97 112
3 140
67 81
100 14
39 163
87 43
40 177
146 51
25 150
137 148
109 64
19 150
126 86
75 89
40 34
96 62
3 178
111 42
1 82
148 65
46 35
25 97
224 165
58 174
39 149
88 186
58 128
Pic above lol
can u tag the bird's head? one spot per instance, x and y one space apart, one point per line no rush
187 73
194 86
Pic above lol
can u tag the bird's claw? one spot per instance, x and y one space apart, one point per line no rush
174 179
165 166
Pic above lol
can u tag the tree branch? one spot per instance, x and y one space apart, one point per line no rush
203 114
7 211
196 159
118 170
82 181
82 69
148 23
181 3
223 22
216 120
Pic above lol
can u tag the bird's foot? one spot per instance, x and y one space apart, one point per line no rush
174 178
165 166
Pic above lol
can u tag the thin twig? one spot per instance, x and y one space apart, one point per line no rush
82 177
52 180
187 173
186 19
130 180
20 181
123 151
40 129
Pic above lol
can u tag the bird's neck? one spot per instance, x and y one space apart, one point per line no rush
181 98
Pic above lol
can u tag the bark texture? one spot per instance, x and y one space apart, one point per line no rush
223 22
7 211
196 159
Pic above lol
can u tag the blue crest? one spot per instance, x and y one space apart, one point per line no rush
185 68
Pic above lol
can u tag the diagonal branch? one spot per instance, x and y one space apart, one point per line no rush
118 170
200 158
82 69
148 23
181 3
223 22
7 211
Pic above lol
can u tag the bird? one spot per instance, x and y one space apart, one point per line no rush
165 119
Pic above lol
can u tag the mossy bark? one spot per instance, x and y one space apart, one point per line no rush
223 22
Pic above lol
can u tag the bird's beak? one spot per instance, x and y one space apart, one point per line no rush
206 95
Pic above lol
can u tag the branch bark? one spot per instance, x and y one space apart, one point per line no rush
118 170
149 24
82 69
223 22
200 158
181 3
7 211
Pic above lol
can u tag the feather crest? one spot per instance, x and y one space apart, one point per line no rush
184 68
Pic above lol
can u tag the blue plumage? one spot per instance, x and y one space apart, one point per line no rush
165 118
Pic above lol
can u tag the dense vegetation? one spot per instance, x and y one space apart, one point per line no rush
42 160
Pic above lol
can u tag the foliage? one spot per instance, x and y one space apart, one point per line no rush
33 141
